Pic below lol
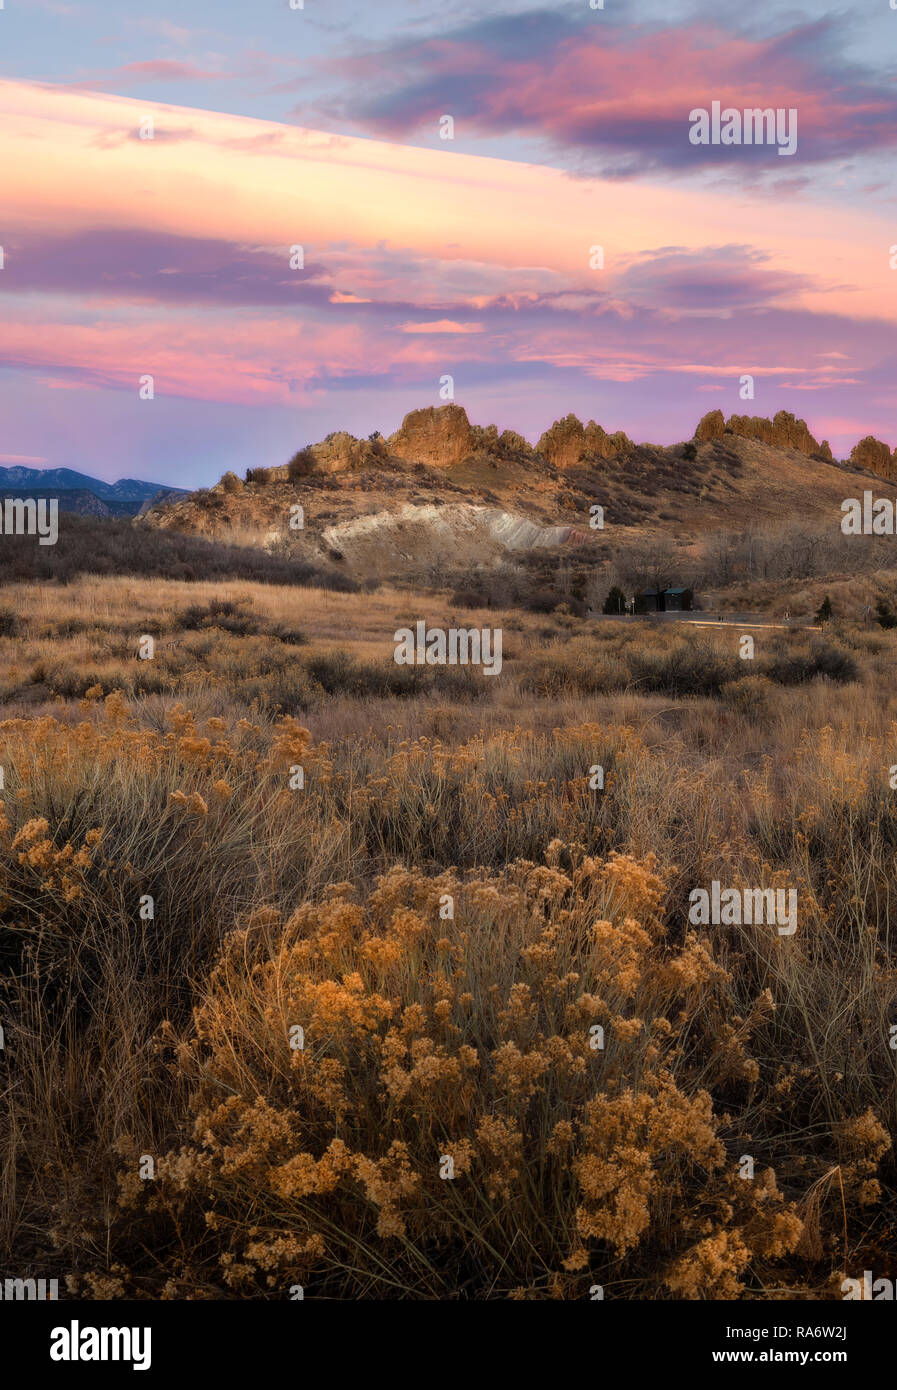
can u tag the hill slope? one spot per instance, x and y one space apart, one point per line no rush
443 492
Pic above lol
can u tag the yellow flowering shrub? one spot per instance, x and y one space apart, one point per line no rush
447 1109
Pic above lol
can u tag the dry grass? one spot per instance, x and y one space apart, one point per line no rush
430 1036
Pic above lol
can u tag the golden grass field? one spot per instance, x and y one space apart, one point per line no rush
429 1034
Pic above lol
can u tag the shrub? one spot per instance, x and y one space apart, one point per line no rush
794 665
325 1165
302 464
219 613
575 668
686 667
749 696
542 601
429 1038
471 596
885 614
290 636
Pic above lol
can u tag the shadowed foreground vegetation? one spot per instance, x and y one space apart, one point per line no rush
111 546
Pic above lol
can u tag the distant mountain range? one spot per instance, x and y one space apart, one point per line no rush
78 492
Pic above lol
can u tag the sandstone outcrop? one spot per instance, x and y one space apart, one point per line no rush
780 432
510 442
711 426
569 443
340 452
875 455
783 431
438 436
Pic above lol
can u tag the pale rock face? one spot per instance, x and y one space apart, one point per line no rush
438 436
461 534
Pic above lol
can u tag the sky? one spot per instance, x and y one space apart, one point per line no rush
162 164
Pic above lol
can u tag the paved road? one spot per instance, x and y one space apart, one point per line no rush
740 621
783 627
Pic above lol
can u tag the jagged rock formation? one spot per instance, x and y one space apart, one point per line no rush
875 455
563 445
340 451
439 435
784 431
510 442
570 443
442 436
711 426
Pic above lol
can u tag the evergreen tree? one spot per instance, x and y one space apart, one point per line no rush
615 601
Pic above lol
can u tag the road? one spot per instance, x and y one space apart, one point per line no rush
748 620
782 627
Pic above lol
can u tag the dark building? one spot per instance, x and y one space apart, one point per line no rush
677 600
664 601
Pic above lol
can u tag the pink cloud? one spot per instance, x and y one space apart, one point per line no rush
150 70
441 326
454 262
255 362
627 91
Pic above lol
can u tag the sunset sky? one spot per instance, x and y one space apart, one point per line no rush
425 257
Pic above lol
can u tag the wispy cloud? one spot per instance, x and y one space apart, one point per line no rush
614 97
